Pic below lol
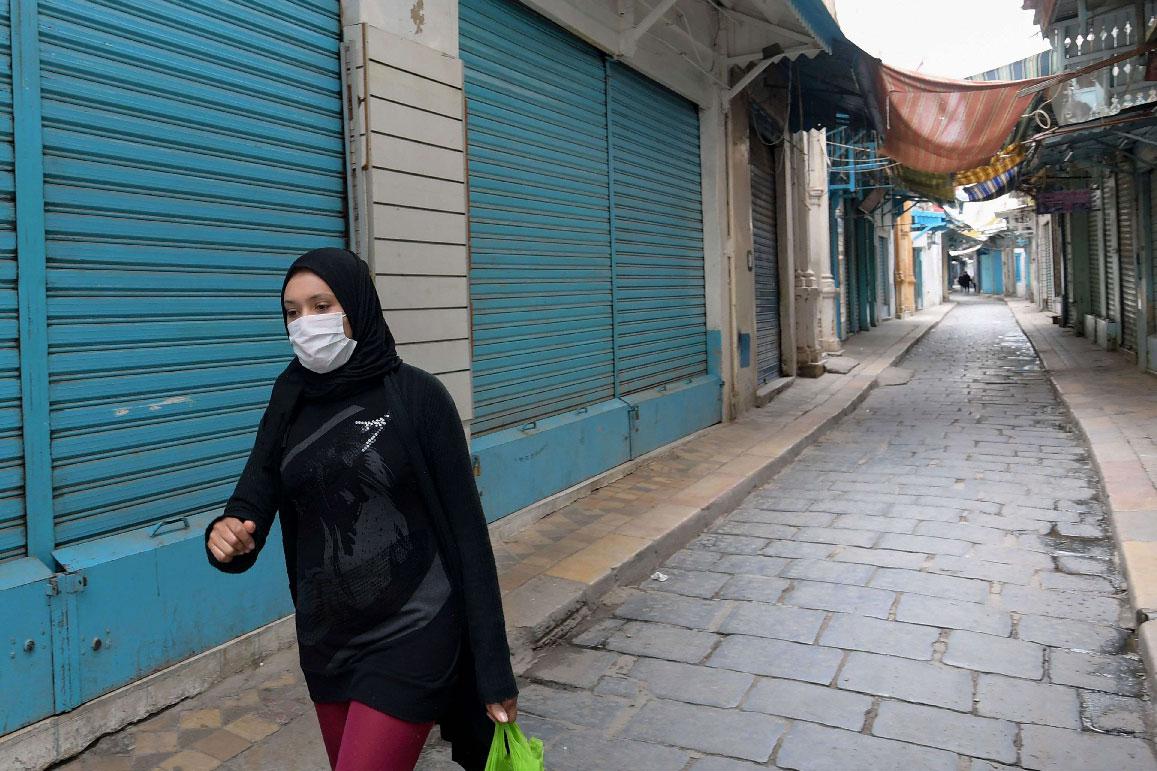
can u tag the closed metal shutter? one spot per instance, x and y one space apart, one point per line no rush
1045 260
763 218
1126 225
1112 251
851 231
540 272
1067 275
884 276
845 270
660 300
13 537
1096 256
192 149
1152 298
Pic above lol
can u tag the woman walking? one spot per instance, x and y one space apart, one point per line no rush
399 615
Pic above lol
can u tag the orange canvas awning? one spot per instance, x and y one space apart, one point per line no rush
940 125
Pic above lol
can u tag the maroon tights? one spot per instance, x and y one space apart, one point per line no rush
359 738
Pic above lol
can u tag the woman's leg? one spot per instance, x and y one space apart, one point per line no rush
374 741
331 716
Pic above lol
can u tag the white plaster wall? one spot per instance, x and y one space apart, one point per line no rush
433 23
409 193
408 178
932 269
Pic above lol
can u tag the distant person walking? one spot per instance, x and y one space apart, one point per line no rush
399 613
965 282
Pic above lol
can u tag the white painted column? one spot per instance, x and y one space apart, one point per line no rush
820 239
407 171
807 277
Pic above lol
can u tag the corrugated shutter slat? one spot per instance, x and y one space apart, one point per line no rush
12 530
1112 249
660 305
540 274
766 246
1096 252
1126 208
185 167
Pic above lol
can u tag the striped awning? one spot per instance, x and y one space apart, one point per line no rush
939 125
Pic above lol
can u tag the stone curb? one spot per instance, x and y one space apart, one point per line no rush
1134 531
546 607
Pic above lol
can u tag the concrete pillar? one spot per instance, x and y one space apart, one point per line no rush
725 305
905 266
806 278
1008 263
820 240
740 244
407 177
789 235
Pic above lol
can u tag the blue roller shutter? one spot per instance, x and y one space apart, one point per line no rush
540 255
192 149
586 258
13 534
766 256
660 311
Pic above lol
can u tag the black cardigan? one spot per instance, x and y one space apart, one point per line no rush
432 430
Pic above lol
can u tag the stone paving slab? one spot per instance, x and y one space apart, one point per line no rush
1114 405
1019 662
979 626
553 568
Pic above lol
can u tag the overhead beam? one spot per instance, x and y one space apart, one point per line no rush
742 60
769 21
631 38
754 73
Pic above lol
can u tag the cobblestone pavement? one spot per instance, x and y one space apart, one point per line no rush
931 586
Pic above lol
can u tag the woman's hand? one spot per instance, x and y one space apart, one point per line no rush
506 712
230 537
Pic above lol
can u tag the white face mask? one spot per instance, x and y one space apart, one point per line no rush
319 341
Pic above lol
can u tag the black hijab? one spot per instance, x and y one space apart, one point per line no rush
375 355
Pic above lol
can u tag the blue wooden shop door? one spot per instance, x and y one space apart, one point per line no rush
174 157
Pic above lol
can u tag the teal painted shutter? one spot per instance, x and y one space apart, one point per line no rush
660 311
766 248
13 534
852 237
192 150
918 265
540 265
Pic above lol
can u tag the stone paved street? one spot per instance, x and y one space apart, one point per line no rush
931 586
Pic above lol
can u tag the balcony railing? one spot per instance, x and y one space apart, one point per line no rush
1114 88
855 161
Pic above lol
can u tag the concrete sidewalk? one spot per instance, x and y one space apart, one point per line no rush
551 571
1115 406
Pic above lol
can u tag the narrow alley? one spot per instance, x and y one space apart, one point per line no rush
934 580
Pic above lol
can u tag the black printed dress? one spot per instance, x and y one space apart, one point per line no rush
376 620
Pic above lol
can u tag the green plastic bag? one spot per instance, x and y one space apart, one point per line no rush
512 751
